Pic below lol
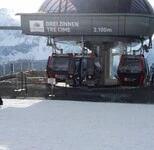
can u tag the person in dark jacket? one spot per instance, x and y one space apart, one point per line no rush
1 101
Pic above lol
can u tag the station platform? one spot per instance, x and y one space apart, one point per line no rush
115 94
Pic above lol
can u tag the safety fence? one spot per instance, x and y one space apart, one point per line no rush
22 66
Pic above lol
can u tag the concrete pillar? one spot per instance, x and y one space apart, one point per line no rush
99 50
107 63
111 63
102 61
104 52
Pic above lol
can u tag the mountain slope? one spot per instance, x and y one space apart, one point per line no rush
14 45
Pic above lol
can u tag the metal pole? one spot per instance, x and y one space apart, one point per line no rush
16 83
4 69
26 89
12 68
22 81
21 66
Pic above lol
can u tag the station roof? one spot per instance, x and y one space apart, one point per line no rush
97 6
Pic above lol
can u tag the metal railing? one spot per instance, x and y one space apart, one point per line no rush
22 66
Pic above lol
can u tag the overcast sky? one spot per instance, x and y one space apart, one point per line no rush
21 6
28 6
152 2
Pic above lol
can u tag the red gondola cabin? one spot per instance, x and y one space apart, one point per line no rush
133 70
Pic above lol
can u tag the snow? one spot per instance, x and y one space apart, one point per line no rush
69 125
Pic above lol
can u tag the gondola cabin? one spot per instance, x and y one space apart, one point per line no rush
84 70
74 69
57 67
133 70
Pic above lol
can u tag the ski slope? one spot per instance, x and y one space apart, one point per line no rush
68 125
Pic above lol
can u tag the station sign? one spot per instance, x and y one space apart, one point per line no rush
46 24
68 25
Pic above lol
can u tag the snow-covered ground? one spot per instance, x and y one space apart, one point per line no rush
69 125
